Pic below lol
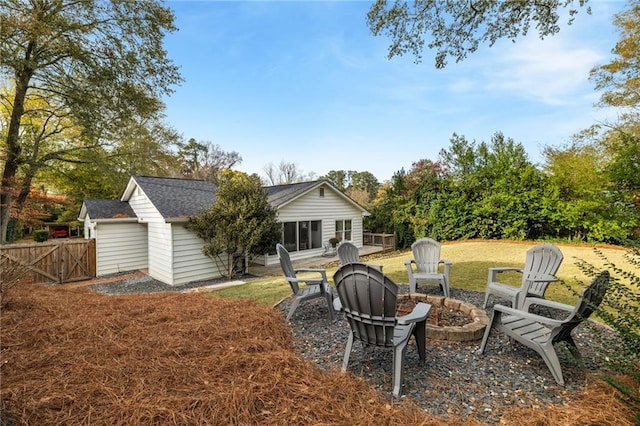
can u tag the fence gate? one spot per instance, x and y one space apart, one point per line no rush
54 261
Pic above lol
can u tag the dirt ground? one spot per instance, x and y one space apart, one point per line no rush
72 356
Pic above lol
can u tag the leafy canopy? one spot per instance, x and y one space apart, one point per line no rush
240 223
457 28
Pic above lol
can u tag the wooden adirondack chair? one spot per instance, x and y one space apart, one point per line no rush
541 264
368 299
426 258
542 334
349 253
316 286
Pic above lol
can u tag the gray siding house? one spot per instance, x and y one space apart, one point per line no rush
146 228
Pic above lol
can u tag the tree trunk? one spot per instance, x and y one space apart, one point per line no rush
13 159
13 148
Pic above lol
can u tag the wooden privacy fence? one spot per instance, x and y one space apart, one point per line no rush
52 261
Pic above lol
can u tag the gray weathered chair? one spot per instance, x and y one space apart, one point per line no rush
349 253
316 286
541 264
368 299
426 258
541 333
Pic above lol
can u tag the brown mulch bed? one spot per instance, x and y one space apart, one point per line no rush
73 356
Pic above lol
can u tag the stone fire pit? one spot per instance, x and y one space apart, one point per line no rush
473 330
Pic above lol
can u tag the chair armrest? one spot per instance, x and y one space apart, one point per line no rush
545 302
505 269
527 315
445 262
545 278
419 313
314 270
493 272
408 264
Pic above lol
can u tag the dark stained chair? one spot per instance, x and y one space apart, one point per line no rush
368 299
315 286
542 334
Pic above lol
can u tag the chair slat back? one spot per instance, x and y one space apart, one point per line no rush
590 298
426 253
348 253
369 300
287 267
543 259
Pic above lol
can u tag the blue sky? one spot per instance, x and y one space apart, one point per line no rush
307 83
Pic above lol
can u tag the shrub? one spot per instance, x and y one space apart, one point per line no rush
41 235
620 310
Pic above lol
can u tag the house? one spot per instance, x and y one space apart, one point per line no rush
146 228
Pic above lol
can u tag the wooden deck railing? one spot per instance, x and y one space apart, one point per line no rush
386 241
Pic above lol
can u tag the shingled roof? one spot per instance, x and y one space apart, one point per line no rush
107 209
177 197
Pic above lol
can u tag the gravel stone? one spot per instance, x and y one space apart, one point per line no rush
456 379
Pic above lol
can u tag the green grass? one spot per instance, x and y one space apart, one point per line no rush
470 259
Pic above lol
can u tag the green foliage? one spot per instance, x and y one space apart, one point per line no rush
457 28
82 73
240 223
41 235
492 191
621 311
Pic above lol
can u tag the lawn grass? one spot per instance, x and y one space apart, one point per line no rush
471 260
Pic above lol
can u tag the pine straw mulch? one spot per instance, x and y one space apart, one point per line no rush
72 356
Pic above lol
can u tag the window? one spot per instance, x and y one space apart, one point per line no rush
303 235
322 192
343 229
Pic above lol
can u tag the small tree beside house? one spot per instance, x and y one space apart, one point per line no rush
240 223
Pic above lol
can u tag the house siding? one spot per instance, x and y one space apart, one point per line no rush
189 262
120 247
328 209
160 252
144 208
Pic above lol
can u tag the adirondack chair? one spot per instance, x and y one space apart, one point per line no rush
316 286
349 253
541 264
368 299
426 258
541 333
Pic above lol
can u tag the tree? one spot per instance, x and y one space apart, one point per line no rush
285 173
361 186
206 160
457 28
621 77
240 223
95 65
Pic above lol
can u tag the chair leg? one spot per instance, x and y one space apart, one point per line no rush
294 304
413 285
347 352
550 358
486 298
398 368
445 287
420 334
329 298
494 319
